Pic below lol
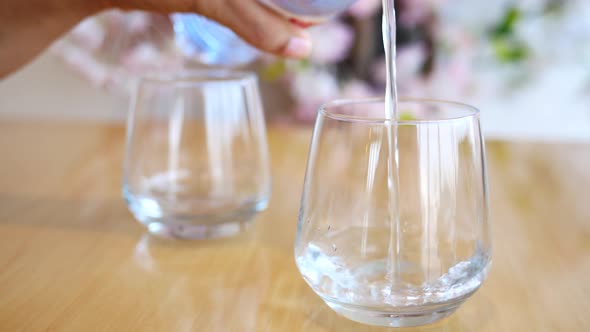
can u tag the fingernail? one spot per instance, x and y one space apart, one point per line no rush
298 47
300 24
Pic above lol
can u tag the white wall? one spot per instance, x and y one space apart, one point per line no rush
46 89
551 108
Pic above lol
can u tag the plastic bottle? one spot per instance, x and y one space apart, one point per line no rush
210 43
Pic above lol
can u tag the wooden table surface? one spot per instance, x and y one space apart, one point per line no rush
73 259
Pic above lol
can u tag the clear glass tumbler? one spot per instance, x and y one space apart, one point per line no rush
394 250
196 163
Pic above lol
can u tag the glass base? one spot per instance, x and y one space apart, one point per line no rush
161 221
403 318
196 232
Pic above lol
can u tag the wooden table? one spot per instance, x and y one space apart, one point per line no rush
73 259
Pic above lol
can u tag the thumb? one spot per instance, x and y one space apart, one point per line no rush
264 29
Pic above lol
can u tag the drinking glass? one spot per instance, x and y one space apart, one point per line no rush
196 162
395 239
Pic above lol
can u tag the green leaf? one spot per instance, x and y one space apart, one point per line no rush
509 50
274 71
406 116
508 23
304 64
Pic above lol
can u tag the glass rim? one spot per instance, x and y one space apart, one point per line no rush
472 111
199 77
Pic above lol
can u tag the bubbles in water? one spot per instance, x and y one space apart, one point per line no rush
362 280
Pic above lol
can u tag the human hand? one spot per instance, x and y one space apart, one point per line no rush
255 23
27 27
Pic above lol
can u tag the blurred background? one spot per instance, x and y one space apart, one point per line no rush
525 64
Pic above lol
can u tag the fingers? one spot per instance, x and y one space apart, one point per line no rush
262 28
255 23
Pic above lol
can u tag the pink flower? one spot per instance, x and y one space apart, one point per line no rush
146 56
331 42
452 79
83 63
409 62
89 34
418 11
357 89
138 22
114 20
365 8
310 89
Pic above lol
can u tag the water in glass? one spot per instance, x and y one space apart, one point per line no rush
197 159
436 253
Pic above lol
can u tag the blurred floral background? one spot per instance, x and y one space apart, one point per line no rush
526 60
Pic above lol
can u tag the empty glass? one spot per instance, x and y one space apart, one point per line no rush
197 163
377 261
